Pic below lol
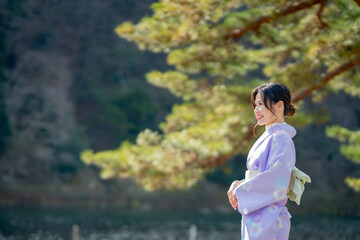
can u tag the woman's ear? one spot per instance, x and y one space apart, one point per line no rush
280 105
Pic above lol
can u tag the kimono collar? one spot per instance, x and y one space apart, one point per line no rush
274 127
273 124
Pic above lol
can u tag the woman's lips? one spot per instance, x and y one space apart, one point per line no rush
258 117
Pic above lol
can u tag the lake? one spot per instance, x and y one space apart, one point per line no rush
113 224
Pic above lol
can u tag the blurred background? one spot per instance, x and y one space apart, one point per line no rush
69 83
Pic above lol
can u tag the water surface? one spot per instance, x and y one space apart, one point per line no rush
113 224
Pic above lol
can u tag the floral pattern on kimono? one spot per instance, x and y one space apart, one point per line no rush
262 199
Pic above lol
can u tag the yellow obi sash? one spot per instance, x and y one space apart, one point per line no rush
296 185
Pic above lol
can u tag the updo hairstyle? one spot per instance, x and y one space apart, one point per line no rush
271 93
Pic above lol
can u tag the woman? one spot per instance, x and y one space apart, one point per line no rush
262 195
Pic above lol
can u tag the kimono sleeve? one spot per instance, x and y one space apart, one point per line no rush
269 186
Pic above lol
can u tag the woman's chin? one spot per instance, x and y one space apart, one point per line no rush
260 123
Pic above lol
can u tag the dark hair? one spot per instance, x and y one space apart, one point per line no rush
271 93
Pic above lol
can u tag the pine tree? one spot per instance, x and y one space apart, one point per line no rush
220 51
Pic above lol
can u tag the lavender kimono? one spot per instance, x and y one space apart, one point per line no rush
262 199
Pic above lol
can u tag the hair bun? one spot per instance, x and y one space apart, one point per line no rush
291 111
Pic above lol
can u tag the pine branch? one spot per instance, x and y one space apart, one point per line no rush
318 14
305 92
237 33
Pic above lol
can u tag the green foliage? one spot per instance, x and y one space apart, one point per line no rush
354 183
350 148
217 47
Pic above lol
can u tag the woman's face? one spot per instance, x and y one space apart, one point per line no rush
262 114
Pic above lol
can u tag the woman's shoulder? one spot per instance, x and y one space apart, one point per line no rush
280 140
